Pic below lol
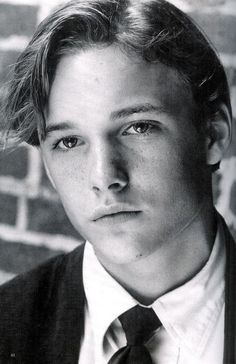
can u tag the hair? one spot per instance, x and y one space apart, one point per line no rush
154 30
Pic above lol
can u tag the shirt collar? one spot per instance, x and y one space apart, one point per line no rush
190 312
188 321
106 298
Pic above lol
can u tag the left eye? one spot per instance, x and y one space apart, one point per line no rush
139 128
67 143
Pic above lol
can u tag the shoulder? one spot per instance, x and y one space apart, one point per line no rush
44 276
28 296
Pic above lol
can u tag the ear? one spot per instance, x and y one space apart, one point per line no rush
218 135
48 174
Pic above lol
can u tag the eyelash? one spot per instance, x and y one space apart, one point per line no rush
149 124
56 144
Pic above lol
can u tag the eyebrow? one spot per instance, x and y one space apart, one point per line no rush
137 109
65 125
119 114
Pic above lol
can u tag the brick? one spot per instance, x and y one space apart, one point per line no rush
17 19
233 232
206 2
8 206
233 199
5 276
234 78
215 186
45 180
232 148
233 102
17 257
231 75
220 29
14 163
49 217
7 61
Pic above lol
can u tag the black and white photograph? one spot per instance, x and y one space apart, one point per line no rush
117 182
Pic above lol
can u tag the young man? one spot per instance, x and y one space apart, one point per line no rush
130 108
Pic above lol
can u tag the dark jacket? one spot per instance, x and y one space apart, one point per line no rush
42 312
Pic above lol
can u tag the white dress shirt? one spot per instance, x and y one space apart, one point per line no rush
192 315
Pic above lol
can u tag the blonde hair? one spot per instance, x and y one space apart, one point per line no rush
154 30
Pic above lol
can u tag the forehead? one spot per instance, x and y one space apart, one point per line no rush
102 80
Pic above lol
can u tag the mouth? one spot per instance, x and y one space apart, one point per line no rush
115 214
119 216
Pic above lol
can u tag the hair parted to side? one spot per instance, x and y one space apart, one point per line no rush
154 30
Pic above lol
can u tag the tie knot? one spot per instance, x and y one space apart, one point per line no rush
138 324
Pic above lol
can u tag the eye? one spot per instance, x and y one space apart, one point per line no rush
141 127
67 143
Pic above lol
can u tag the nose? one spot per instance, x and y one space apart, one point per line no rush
108 170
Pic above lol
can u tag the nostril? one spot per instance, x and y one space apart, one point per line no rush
95 188
109 181
115 186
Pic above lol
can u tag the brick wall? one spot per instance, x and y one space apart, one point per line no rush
33 225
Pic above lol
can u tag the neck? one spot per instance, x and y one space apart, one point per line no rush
173 264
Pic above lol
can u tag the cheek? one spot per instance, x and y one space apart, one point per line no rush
67 174
161 161
168 169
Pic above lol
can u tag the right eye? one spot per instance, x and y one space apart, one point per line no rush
66 143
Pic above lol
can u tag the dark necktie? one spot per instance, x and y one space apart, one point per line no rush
138 324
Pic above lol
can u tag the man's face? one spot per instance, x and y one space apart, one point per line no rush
122 151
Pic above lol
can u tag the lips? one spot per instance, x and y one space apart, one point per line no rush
114 212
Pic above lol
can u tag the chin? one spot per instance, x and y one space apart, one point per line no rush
120 251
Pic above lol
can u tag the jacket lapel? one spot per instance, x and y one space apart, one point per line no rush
69 314
230 300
